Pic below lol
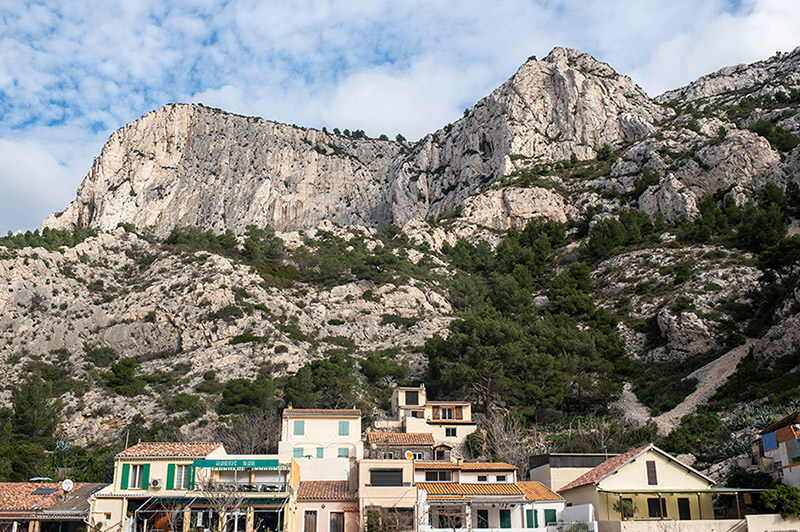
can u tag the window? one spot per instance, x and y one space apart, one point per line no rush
344 428
501 478
417 455
182 476
388 455
447 413
412 398
386 477
549 517
416 413
482 478
483 518
137 477
299 427
529 518
343 452
447 517
627 508
310 521
438 476
297 452
107 516
657 507
505 518
450 432
320 452
336 522
652 479
440 455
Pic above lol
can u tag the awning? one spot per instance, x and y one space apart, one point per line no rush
246 501
241 465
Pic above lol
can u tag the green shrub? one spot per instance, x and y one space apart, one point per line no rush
780 138
782 499
397 321
246 338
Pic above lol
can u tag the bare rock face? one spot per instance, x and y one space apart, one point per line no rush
191 165
514 207
671 198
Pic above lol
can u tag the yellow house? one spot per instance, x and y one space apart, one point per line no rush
643 484
387 496
182 486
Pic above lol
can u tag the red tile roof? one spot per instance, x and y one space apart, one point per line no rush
536 491
20 497
791 419
325 490
335 412
605 469
400 438
465 466
785 434
484 488
169 450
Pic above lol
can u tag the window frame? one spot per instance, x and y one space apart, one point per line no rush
299 427
447 412
500 478
448 430
136 477
652 474
344 428
483 478
295 453
183 475
320 452
343 452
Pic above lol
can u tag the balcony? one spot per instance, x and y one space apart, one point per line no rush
244 487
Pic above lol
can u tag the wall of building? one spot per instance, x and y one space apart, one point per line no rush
556 478
386 496
438 430
669 475
469 477
351 518
725 525
772 522
322 432
583 495
326 468
606 505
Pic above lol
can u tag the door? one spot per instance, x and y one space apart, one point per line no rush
684 511
483 519
310 521
337 522
549 517
505 518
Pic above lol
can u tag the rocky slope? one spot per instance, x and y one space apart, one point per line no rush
565 138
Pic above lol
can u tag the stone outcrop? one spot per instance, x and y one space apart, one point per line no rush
514 207
192 165
671 198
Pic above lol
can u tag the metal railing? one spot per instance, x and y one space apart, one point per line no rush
245 487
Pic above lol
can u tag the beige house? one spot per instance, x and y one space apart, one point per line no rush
182 486
326 506
448 421
326 443
387 495
402 445
643 484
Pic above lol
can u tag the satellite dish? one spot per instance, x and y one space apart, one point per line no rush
409 455
67 485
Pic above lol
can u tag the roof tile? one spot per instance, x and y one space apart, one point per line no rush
328 490
289 412
169 450
604 469
454 488
400 438
465 466
18 496
536 491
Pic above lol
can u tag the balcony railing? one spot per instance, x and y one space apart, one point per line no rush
244 487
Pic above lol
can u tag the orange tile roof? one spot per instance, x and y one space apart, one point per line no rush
449 422
606 468
785 434
465 466
20 497
484 488
791 419
169 450
325 490
400 438
346 412
536 491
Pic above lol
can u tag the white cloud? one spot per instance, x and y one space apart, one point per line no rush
71 71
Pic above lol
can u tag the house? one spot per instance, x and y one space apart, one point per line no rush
195 485
327 506
387 497
643 484
326 443
556 470
474 495
779 445
44 506
411 446
448 421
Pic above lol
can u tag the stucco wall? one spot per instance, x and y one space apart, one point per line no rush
351 520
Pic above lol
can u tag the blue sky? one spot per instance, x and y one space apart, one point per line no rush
73 71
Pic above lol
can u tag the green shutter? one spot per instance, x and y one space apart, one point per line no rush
171 477
344 428
191 478
126 473
536 519
145 476
505 518
529 518
549 517
299 427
